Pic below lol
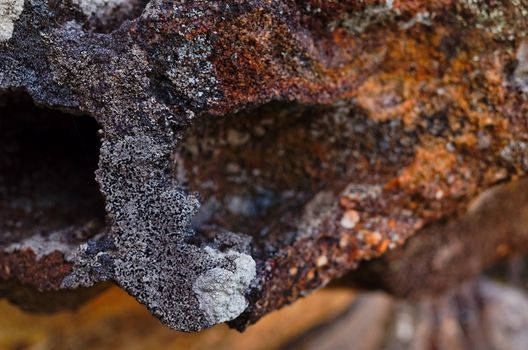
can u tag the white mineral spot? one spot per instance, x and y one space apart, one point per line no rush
322 261
10 10
99 8
221 291
349 219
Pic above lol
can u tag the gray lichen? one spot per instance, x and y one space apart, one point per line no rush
99 8
42 245
359 22
506 21
10 10
220 291
516 152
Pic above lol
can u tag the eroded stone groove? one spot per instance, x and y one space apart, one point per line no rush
269 145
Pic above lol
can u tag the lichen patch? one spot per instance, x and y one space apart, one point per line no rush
99 8
10 10
220 291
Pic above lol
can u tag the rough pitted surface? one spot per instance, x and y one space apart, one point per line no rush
252 151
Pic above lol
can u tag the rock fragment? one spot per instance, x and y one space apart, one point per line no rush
246 152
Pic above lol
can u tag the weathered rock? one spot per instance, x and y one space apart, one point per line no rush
237 138
448 253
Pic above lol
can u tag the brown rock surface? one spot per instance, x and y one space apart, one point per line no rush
233 137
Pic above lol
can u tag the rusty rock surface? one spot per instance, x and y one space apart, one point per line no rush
248 151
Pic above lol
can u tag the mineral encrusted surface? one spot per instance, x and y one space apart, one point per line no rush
248 152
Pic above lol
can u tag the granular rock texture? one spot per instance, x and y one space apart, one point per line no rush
250 151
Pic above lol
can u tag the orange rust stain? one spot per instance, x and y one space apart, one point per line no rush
382 248
430 163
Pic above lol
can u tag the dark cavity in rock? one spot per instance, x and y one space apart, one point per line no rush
47 164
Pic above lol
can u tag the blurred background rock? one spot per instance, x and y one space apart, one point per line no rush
114 320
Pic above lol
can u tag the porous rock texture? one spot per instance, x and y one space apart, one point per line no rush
250 151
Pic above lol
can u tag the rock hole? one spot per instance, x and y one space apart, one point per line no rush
47 164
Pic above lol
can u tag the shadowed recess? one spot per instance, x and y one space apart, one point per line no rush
47 164
269 171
